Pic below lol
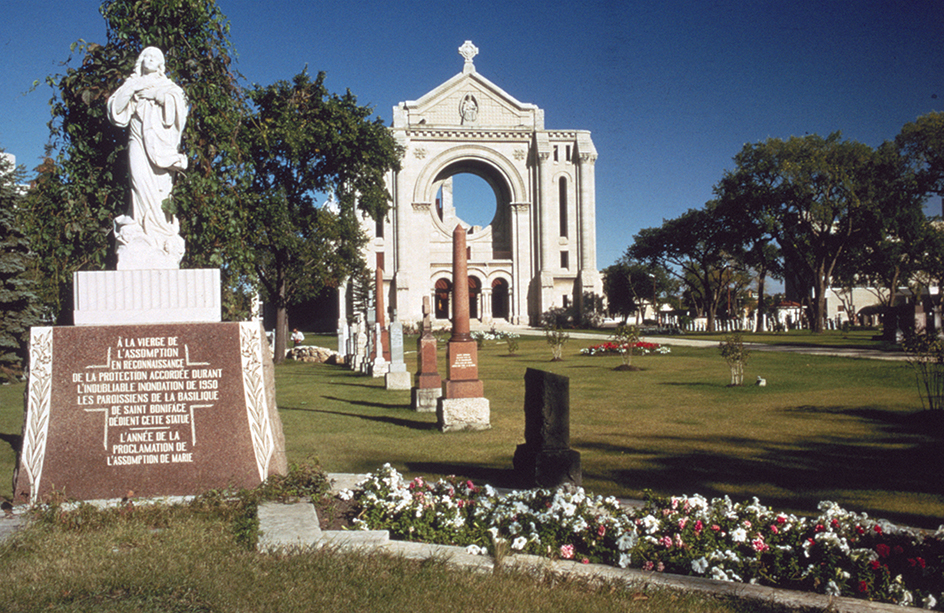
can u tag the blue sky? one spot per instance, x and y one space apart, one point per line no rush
671 91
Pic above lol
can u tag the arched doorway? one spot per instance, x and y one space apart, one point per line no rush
475 292
443 295
500 299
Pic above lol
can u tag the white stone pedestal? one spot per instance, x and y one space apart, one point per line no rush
425 399
121 297
454 414
398 380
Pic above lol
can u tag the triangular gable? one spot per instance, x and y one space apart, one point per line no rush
469 100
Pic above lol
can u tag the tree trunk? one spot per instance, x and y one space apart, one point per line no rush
761 325
818 307
281 325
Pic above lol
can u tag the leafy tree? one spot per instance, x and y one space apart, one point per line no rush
304 140
820 196
746 214
629 284
83 183
18 309
897 235
691 247
921 142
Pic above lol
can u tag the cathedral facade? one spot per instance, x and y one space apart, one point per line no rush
538 251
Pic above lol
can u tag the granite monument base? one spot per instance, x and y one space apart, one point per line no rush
148 410
547 468
456 414
425 399
398 380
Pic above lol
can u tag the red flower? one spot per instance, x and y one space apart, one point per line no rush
781 520
875 564
882 550
834 523
820 528
863 587
878 529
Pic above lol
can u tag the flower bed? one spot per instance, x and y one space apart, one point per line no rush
839 552
611 348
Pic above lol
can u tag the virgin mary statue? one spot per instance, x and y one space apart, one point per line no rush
154 109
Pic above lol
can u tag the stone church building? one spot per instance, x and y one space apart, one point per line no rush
538 252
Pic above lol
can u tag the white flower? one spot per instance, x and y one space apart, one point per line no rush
832 589
700 565
739 535
475 550
929 602
345 494
627 541
519 543
625 560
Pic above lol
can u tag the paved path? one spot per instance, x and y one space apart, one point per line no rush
683 341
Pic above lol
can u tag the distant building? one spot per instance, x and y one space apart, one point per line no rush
538 252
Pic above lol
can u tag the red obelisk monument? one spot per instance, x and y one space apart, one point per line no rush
463 406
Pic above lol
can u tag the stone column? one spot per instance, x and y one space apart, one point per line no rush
342 319
463 406
381 353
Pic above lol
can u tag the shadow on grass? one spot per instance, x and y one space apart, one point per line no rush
396 421
15 441
904 457
364 403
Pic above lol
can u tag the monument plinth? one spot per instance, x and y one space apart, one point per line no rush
148 395
428 382
152 410
463 406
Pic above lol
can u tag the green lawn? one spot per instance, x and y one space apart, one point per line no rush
824 428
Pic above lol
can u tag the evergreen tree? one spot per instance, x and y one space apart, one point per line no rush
18 308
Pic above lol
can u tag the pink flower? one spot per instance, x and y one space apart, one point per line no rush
774 529
759 545
747 524
660 567
699 526
567 551
601 530
715 527
682 523
648 565
585 561
666 541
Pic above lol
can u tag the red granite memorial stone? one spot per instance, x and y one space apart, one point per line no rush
148 410
463 405
428 389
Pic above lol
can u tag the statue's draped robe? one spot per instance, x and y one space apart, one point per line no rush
154 139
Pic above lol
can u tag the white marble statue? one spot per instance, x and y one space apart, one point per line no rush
154 109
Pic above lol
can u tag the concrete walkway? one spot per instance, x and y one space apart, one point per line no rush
683 341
